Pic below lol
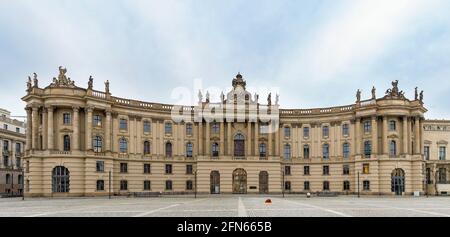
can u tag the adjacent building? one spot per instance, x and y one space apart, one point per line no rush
12 141
84 142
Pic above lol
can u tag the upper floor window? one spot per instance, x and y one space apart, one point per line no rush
346 185
168 169
123 145
215 128
239 145
168 149
146 147
6 145
367 148
100 185
215 149
168 128
393 148
326 185
5 126
287 170
325 131
346 150
123 185
67 118
367 126
306 170
147 169
262 150
147 127
287 132
345 129
326 170
189 129
426 152
97 144
189 149
346 169
392 125
123 123
66 141
18 130
97 120
123 167
442 152
326 151
365 169
305 131
18 148
100 166
306 151
287 151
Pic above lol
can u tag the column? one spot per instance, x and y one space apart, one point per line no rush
50 125
256 138
200 138
88 131
139 131
157 136
405 135
277 140
374 135
35 126
417 135
358 139
221 151
108 131
229 139
385 134
269 143
13 153
44 129
29 129
208 139
249 138
76 129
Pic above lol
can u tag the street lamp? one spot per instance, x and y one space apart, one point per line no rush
195 180
358 184
109 184
282 185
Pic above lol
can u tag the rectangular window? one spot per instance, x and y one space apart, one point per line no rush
366 185
346 150
168 184
97 120
189 129
5 145
345 169
147 127
123 185
189 185
287 185
123 167
66 118
168 169
5 126
346 185
168 128
305 170
345 129
147 185
100 185
100 167
215 129
306 132
147 169
287 132
18 149
326 170
306 185
325 131
123 124
367 149
306 151
189 169
18 130
326 151
442 153
326 185
287 170
426 152
392 125
367 126
365 169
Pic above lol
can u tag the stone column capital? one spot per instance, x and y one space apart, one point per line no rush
76 109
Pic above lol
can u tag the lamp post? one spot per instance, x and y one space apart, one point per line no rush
358 184
22 184
282 185
195 180
109 184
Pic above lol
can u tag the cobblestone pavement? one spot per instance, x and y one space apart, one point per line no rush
228 206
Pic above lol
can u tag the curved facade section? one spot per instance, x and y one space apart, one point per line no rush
242 146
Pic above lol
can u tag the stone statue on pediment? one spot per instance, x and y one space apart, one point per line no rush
35 80
91 83
256 98
421 96
374 96
207 96
269 99
29 84
416 94
222 97
62 80
358 96
107 86
277 98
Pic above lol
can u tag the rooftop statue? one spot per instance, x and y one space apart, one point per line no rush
277 98
374 96
207 96
90 83
200 96
416 94
62 80
394 92
421 96
29 84
107 87
35 80
358 96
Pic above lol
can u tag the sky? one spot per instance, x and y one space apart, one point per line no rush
313 53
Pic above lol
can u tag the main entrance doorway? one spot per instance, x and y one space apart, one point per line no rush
215 182
239 181
263 182
398 181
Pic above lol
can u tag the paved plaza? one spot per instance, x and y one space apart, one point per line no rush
228 206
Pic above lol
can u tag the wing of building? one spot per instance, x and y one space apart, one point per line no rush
84 142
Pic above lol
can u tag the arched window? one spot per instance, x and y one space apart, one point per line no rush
239 145
168 149
60 179
215 149
66 140
146 147
393 148
189 149
346 150
123 145
262 150
97 143
326 151
287 151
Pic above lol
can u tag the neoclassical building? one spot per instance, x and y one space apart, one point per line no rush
84 142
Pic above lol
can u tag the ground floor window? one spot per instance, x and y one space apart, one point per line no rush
169 185
100 185
123 185
287 185
60 179
189 185
366 185
346 185
306 185
147 185
326 185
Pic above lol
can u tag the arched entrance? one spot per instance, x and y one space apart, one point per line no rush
60 179
239 181
398 181
215 182
263 182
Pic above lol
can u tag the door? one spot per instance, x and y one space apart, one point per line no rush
398 181
215 182
239 181
263 182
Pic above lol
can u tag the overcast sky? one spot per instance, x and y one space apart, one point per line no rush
316 53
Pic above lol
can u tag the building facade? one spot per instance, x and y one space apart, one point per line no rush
85 142
12 141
